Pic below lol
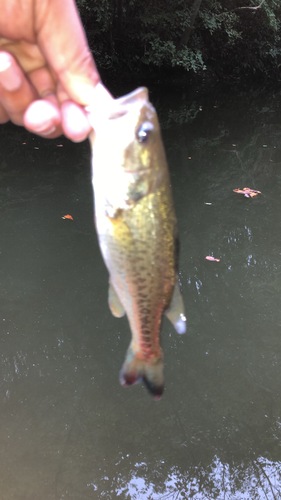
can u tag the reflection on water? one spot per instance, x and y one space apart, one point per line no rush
260 480
67 429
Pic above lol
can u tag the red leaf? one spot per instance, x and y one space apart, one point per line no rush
67 217
211 258
249 193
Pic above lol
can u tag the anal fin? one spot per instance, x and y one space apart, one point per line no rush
175 313
114 302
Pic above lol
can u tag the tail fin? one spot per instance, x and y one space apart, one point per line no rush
138 367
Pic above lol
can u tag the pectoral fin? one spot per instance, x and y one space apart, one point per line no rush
175 313
114 303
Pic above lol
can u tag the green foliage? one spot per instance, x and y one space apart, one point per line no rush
101 12
159 53
227 37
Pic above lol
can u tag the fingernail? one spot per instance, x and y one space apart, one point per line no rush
46 132
101 93
42 117
10 80
43 128
100 96
100 105
90 93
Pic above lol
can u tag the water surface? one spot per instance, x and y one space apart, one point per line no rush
68 430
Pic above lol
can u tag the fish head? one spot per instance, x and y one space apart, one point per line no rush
139 135
127 150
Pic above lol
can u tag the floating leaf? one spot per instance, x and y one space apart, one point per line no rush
67 217
211 258
249 193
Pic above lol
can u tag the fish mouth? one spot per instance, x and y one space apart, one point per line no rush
140 94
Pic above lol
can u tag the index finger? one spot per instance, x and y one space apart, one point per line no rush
62 40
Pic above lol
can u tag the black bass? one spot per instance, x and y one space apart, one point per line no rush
137 230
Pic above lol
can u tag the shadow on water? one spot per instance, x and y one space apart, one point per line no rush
67 429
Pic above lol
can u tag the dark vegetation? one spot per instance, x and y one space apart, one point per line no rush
220 39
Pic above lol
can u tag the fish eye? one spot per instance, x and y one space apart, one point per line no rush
144 132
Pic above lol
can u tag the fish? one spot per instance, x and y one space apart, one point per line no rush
137 230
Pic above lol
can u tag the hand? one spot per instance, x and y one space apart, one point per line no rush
47 72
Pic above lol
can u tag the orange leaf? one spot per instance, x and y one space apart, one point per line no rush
211 258
249 193
67 217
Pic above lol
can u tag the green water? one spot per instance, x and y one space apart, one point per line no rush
68 430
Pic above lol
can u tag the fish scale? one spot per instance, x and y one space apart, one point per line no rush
132 282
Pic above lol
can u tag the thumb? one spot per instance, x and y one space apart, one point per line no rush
62 40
